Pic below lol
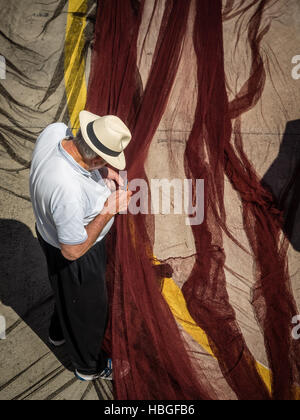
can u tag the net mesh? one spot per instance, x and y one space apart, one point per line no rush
160 66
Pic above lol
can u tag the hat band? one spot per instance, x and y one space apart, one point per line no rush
97 143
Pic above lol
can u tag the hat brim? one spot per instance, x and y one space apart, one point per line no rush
86 117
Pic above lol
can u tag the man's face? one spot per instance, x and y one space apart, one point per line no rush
96 163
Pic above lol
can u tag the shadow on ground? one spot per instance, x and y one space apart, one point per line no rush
24 284
283 179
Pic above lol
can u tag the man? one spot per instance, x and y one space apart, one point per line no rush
74 210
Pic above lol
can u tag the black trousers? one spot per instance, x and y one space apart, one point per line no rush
80 315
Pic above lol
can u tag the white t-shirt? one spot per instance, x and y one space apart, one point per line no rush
65 196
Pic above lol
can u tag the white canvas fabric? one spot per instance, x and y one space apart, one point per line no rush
65 196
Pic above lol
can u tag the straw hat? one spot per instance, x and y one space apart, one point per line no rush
108 136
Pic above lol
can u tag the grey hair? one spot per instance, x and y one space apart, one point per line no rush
83 148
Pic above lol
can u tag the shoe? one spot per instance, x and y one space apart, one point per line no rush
86 378
56 343
106 374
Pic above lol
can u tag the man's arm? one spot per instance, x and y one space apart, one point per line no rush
93 229
116 203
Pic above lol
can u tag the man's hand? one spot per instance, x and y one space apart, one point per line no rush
110 174
110 184
117 202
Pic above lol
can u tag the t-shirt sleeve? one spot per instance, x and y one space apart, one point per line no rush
68 218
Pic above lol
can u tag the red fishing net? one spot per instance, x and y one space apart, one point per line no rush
135 74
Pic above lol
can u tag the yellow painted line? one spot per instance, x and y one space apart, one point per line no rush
75 83
176 301
177 304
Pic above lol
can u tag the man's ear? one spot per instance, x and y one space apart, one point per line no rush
104 172
97 160
101 160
